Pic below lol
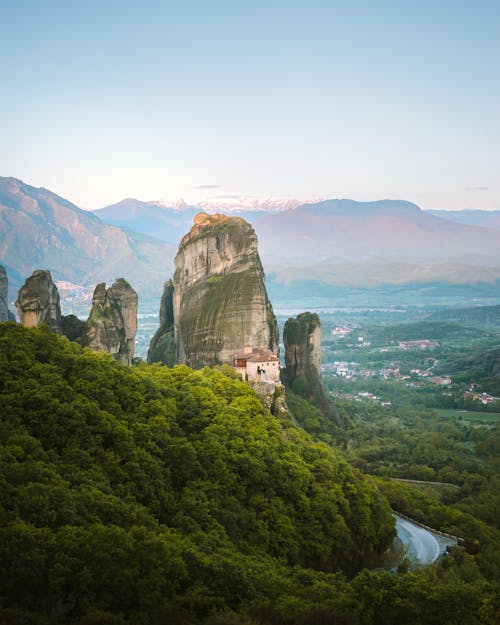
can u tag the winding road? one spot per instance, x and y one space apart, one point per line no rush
420 543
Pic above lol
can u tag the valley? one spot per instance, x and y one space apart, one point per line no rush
250 313
260 493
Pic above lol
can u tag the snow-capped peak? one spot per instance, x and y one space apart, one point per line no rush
238 203
178 204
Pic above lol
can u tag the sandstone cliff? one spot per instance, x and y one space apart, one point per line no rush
112 324
302 339
5 314
38 302
219 300
162 346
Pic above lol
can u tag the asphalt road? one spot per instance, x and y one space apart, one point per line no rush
420 543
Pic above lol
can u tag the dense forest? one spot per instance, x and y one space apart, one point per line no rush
154 496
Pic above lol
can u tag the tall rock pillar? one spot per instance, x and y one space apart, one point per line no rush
38 302
112 323
4 309
302 374
220 301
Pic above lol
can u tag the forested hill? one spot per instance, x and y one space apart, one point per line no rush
477 316
172 481
156 496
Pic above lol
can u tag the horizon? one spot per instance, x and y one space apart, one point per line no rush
105 101
182 203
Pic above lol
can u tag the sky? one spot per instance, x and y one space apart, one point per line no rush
102 100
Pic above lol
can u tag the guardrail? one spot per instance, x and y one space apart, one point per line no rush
429 529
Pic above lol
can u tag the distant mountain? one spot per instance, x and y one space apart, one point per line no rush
387 229
170 220
471 217
41 230
168 223
326 230
248 204
308 251
339 242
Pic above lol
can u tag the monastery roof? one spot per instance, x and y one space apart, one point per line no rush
258 354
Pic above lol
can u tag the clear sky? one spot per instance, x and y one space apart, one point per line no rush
102 100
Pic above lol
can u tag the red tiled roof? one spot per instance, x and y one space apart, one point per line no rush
256 355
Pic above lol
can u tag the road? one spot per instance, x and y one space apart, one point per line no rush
420 543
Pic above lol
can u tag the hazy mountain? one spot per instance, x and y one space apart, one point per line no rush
310 247
471 217
308 251
318 250
168 223
387 229
41 230
390 230
170 220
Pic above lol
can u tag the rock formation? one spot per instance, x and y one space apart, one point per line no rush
5 314
38 302
112 323
162 346
302 339
219 296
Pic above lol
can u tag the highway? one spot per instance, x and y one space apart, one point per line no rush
420 543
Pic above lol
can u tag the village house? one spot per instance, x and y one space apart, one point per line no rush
484 398
341 331
257 364
441 381
420 344
422 373
390 372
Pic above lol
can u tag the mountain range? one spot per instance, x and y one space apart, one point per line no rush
311 249
170 220
41 230
471 217
348 243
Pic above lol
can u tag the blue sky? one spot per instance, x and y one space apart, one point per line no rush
361 99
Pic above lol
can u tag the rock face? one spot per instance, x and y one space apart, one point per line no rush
38 302
4 309
162 346
112 324
302 339
219 297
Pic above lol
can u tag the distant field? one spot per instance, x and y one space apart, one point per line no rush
469 415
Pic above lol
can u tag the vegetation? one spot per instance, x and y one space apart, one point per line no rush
149 495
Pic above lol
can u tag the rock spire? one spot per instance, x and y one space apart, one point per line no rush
5 315
38 302
219 300
302 340
112 323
